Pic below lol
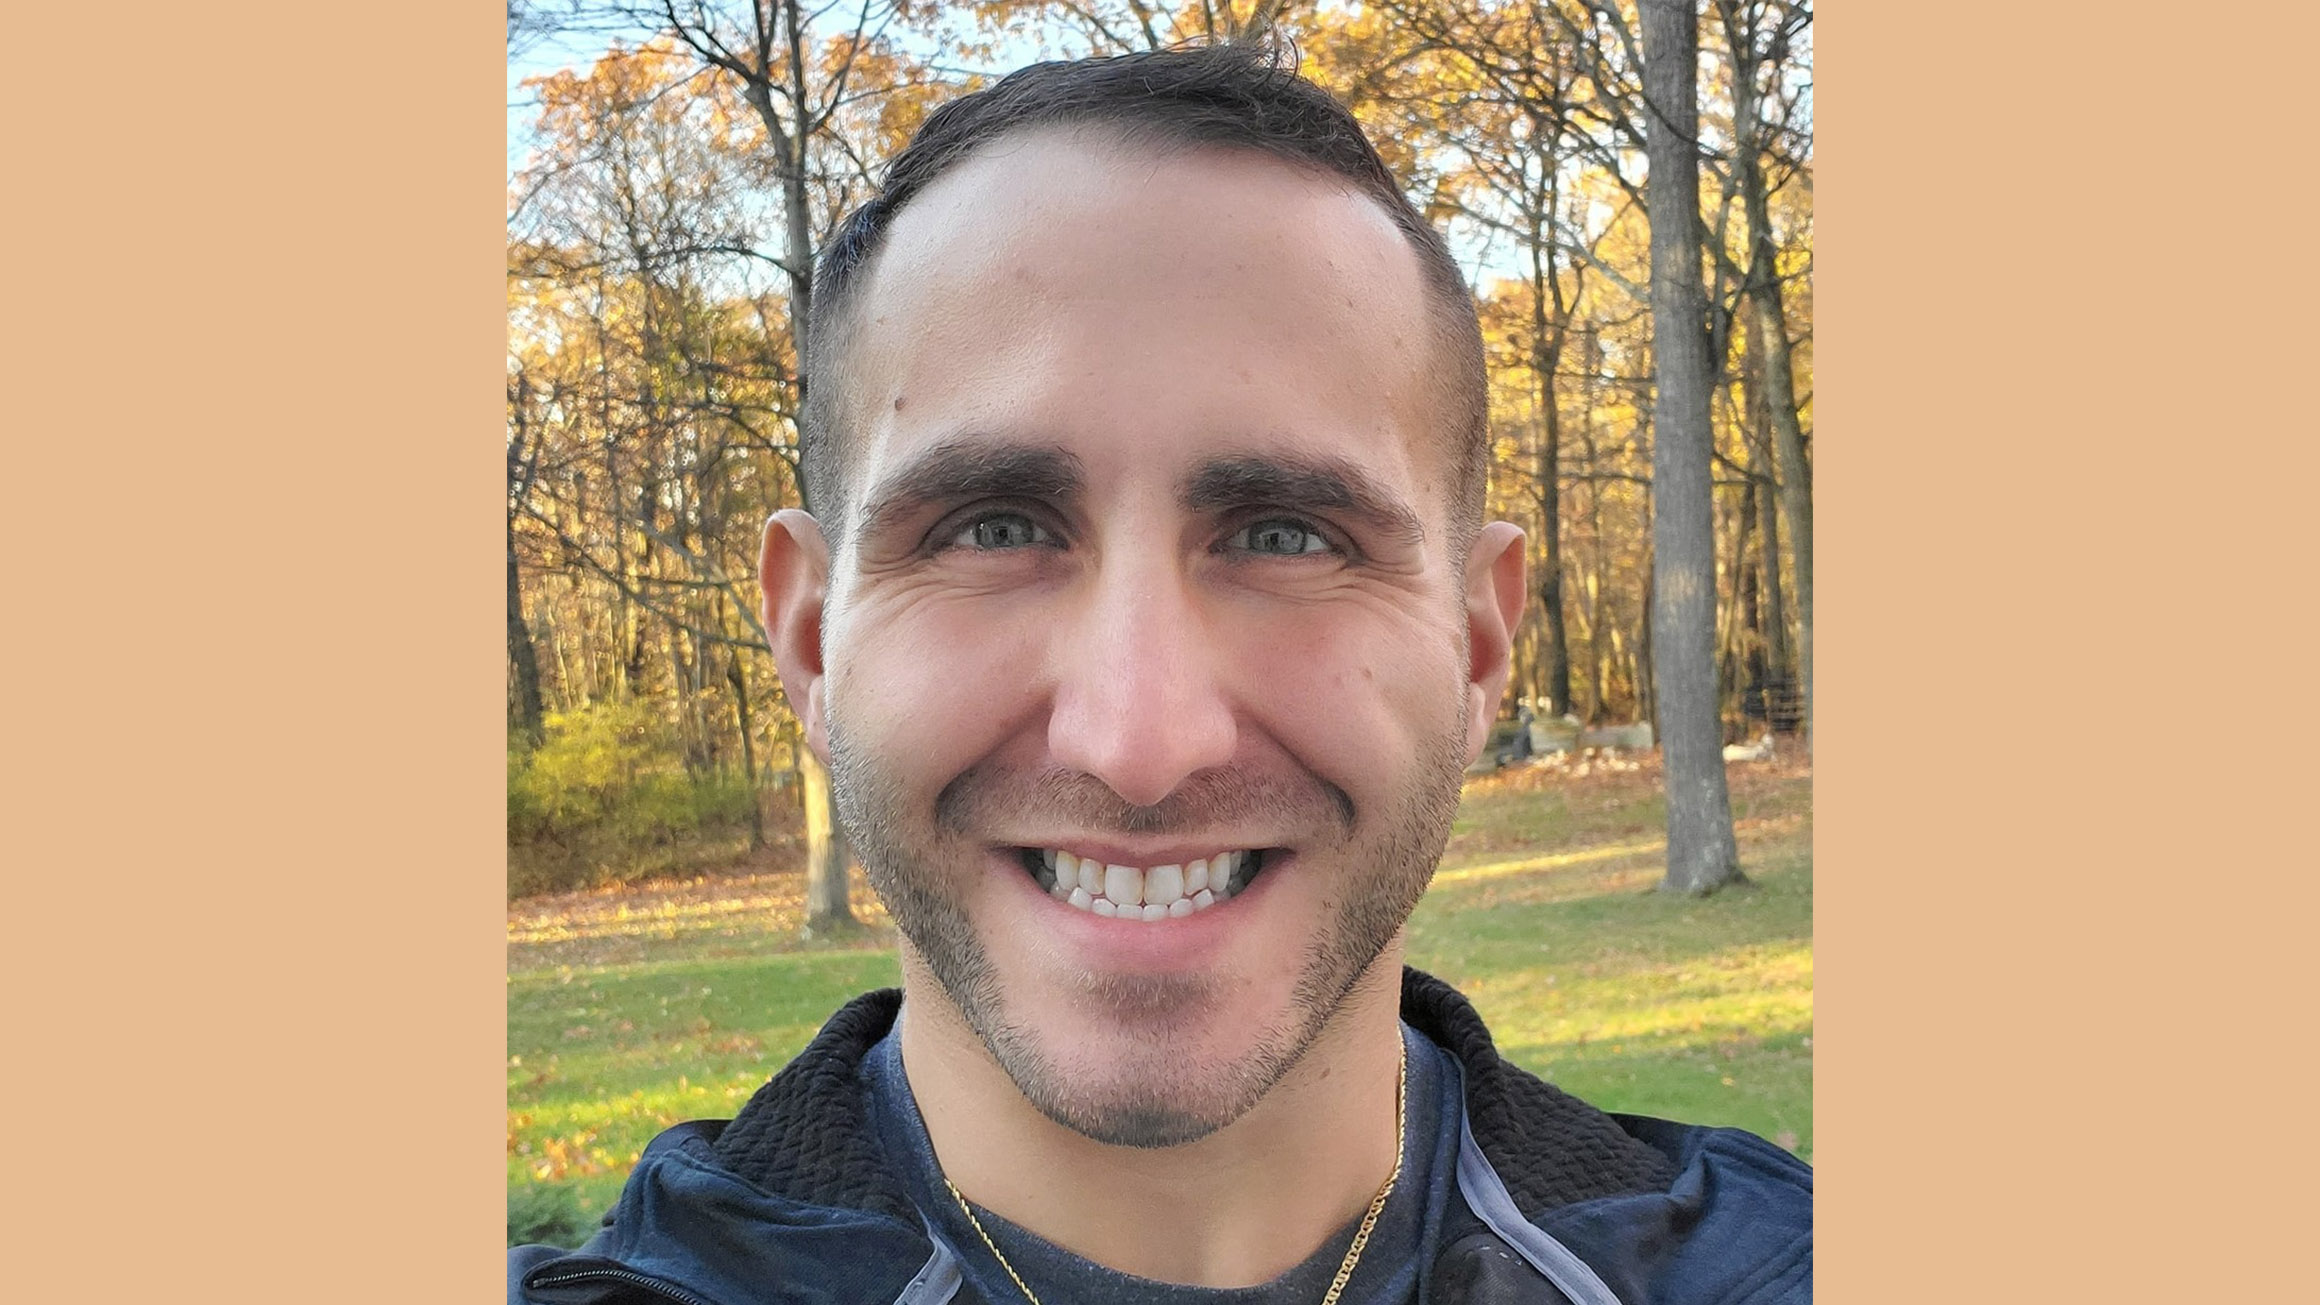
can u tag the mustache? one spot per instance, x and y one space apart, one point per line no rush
1209 799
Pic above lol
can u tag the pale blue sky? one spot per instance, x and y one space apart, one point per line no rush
544 56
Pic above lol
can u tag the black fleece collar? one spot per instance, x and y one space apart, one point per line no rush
806 1134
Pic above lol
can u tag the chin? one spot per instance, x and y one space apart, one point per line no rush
1164 1080
1149 1060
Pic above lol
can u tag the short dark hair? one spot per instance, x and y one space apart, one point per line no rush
1242 94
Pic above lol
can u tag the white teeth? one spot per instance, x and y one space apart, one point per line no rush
1124 884
1163 892
1163 884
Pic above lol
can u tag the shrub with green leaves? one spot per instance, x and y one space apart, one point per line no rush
589 758
606 797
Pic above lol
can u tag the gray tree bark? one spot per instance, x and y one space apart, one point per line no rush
1764 496
1701 855
739 679
826 853
1546 360
766 54
523 659
524 708
1768 322
1773 624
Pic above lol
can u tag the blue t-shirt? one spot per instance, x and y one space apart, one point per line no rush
1392 1269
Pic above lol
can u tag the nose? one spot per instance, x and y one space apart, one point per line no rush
1140 701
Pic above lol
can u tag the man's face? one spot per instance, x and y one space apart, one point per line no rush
1147 565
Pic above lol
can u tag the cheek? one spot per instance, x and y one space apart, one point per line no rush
929 687
1352 691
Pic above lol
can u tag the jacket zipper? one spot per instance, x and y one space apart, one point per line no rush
671 1291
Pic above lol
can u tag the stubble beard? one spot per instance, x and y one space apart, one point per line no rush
1385 867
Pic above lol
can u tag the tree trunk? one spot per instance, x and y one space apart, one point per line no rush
1769 323
1701 855
1642 662
1776 680
1743 646
826 906
1596 608
523 658
1546 357
1752 601
735 676
1778 664
1795 484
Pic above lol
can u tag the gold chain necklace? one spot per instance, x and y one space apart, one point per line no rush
1360 1235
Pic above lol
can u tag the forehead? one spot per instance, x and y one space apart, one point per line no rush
1068 288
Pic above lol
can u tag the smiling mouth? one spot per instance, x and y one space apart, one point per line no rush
1130 892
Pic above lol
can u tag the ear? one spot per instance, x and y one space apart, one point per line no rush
1495 571
794 571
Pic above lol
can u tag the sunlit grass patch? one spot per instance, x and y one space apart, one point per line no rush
1634 1000
1628 854
745 914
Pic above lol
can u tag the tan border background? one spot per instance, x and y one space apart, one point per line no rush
256 961
257 934
2062 277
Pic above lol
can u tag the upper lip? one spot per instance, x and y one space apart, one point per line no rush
1143 855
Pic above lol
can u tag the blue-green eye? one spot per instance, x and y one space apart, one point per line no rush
1000 530
1279 537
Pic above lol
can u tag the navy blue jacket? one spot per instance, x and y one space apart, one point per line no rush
1560 1204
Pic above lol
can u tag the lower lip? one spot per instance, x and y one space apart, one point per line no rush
1162 946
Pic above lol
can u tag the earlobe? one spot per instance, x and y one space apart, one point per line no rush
794 572
1496 569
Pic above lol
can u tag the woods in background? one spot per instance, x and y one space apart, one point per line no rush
661 238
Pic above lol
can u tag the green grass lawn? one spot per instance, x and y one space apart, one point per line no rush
632 1010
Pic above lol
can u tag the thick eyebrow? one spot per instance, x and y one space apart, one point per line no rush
959 471
1290 481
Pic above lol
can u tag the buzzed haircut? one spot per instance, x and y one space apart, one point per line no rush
1243 94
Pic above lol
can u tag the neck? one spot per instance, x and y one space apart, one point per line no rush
1234 1209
